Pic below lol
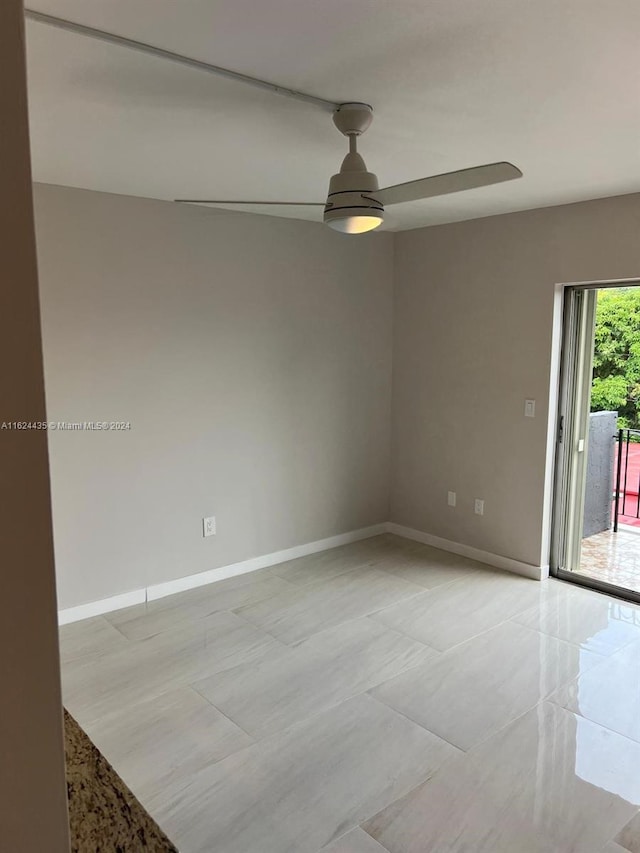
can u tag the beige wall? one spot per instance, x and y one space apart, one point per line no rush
251 355
33 812
472 340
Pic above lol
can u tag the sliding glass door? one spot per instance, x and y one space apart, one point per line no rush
595 538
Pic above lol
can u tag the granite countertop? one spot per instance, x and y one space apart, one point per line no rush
104 816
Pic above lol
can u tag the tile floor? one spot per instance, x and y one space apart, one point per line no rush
613 558
383 697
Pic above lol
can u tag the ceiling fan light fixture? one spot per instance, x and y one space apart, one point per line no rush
352 204
353 211
354 223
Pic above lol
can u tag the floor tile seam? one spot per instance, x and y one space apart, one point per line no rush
312 714
615 841
538 704
468 750
605 656
176 681
601 725
359 826
318 634
226 716
438 586
190 619
403 794
413 595
548 597
258 628
347 622
280 734
207 587
508 620
577 646
375 566
301 588
442 657
408 794
363 615
320 580
95 655
399 633
390 707
403 671
103 618
522 817
122 634
172 649
455 646
588 720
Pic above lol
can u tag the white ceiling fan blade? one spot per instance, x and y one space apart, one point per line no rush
449 182
237 201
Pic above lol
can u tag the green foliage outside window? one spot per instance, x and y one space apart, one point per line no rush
616 363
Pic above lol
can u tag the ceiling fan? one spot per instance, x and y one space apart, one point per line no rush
355 204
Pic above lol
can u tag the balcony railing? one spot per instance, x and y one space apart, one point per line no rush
626 495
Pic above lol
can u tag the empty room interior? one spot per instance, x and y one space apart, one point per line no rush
316 426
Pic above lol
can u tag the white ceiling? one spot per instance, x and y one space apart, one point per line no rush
553 87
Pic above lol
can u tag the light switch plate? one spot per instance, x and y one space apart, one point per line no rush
529 408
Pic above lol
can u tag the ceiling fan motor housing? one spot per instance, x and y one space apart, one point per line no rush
352 194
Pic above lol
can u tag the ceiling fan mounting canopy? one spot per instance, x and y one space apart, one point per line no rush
353 119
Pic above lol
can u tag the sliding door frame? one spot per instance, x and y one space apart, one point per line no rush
575 371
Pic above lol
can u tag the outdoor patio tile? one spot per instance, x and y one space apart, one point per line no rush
612 558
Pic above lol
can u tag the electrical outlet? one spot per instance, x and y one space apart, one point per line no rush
209 526
479 507
451 498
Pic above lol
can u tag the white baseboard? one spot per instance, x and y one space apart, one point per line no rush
527 570
103 605
160 590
